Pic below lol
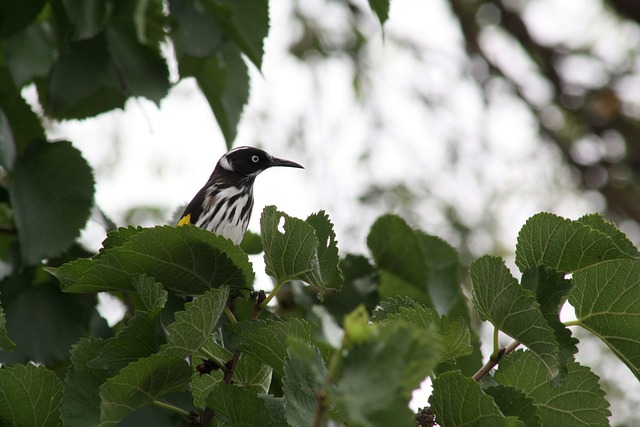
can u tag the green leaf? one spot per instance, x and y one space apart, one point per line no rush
238 406
513 402
251 243
566 245
56 179
15 15
187 260
83 81
29 396
304 377
151 293
81 400
512 309
201 384
360 287
471 408
455 337
330 274
142 68
400 259
378 375
302 252
246 23
381 9
5 342
141 383
194 32
141 337
252 374
37 41
551 290
38 338
577 400
20 125
267 339
193 326
606 299
224 80
414 264
597 222
87 16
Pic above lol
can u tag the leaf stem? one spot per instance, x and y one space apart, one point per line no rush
231 364
171 408
496 343
493 362
575 322
272 294
230 315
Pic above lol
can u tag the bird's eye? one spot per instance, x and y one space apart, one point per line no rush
255 159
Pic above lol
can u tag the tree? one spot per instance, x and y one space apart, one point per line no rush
227 358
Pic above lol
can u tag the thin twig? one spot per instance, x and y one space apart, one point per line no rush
231 365
492 363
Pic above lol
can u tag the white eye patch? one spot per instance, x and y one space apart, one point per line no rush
255 159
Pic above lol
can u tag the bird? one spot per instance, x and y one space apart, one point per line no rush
224 204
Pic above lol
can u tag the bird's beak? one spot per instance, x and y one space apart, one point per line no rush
282 162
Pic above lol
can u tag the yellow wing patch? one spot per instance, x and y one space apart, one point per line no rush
184 220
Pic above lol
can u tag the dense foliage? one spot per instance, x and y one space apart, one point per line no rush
349 336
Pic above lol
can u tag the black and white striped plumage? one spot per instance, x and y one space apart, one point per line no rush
223 206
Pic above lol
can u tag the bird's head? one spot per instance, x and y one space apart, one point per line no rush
250 161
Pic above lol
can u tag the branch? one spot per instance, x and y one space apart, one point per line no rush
492 363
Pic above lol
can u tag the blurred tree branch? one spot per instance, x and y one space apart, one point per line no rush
593 113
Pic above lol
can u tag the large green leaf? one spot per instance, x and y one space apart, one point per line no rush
193 326
379 373
44 323
81 400
567 246
238 406
195 32
459 401
141 337
29 396
305 375
246 23
267 340
141 383
306 250
187 260
17 14
329 273
151 293
360 287
551 290
606 299
29 53
513 402
224 80
499 298
455 336
83 81
576 401
414 264
56 179
142 68
88 16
